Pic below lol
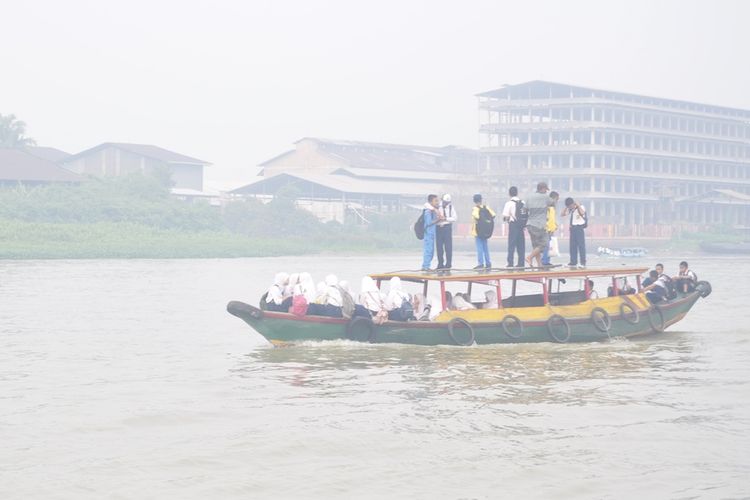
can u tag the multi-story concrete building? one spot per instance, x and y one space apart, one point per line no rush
639 163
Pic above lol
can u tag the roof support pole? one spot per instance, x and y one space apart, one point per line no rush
546 291
442 294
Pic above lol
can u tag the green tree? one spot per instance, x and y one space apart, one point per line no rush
13 133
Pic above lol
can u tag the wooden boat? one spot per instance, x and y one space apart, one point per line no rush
544 316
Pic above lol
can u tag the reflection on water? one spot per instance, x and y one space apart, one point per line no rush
514 374
128 379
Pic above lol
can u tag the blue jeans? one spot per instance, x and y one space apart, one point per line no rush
483 253
428 250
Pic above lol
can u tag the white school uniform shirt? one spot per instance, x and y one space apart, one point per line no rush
578 219
448 212
509 210
690 275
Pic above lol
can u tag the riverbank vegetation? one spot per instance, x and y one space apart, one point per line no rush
135 217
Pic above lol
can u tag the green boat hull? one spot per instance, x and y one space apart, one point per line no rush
282 327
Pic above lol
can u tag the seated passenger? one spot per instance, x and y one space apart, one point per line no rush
449 302
293 281
299 302
371 300
334 299
318 306
460 303
668 283
657 291
276 298
398 302
308 287
593 294
491 300
419 306
686 280
648 280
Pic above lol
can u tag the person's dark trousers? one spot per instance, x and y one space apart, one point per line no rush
516 243
444 242
577 245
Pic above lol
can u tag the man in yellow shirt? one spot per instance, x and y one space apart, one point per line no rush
551 226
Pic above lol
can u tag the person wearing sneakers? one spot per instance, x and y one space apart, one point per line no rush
483 223
445 233
578 223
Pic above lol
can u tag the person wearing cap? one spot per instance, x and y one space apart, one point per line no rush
444 236
537 203
483 252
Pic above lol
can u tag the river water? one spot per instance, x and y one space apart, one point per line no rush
126 379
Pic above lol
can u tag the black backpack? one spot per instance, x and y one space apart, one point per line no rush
419 227
522 212
485 224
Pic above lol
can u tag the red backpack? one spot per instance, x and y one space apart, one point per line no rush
299 305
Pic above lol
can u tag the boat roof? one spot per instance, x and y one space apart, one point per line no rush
482 275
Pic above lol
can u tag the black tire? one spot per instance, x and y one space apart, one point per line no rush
263 306
605 323
507 325
656 311
704 288
561 339
367 323
456 321
625 315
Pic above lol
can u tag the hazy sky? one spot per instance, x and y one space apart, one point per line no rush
235 83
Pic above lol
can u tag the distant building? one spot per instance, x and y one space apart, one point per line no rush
634 160
27 166
115 159
334 178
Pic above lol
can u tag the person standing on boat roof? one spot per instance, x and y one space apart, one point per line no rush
515 214
577 236
447 216
537 204
551 226
483 222
431 218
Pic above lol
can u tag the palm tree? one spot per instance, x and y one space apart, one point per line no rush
12 133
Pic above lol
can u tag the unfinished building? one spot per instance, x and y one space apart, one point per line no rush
641 164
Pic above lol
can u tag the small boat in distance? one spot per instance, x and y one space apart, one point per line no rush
726 247
541 312
628 252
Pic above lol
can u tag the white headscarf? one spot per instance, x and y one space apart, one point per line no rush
293 281
308 287
491 296
297 290
396 295
370 297
461 303
320 295
333 292
276 292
